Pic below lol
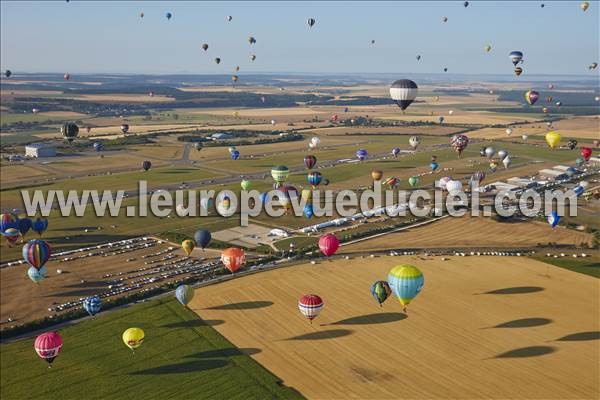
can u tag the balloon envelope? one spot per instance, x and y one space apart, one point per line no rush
202 238
310 305
406 282
233 258
380 290
133 338
328 244
92 305
184 294
48 345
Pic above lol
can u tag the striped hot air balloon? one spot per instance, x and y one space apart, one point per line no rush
48 345
92 305
403 92
314 178
36 253
406 282
310 305
380 290
310 161
280 174
391 181
531 96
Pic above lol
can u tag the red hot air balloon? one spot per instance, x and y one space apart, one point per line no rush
310 161
310 305
328 244
586 152
47 346
233 258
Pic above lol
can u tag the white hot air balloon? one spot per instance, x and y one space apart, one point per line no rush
414 141
453 186
403 92
524 137
314 142
502 154
450 112
509 131
506 161
489 152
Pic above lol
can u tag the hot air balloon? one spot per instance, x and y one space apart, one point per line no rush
593 66
233 258
314 142
280 174
443 182
553 139
596 142
571 144
25 224
234 78
395 151
47 346
553 219
69 131
414 141
146 165
66 77
380 290
169 15
36 275
376 174
8 221
579 161
571 171
184 294
418 57
202 238
187 246
509 131
217 60
40 225
493 165
361 154
133 338
124 128
578 190
434 166
445 69
502 154
406 282
97 146
459 143
252 57
246 184
489 152
205 46
92 305
516 57
531 96
441 120
308 211
235 154
545 109
310 161
586 153
286 194
141 15
403 92
478 177
36 253
506 161
334 118
198 146
453 186
444 19
310 305
311 22
7 73
328 244
306 195
466 4
314 178
518 71
524 137
584 6
251 40
229 18
482 151
391 181
558 103
413 181
488 48
373 41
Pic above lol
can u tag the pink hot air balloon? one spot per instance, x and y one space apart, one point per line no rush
586 153
48 345
328 244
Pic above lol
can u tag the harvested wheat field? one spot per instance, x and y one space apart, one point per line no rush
470 231
483 327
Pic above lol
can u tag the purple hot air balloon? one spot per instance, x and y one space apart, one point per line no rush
361 154
395 151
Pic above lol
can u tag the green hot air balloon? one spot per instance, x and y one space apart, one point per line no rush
246 185
413 181
280 174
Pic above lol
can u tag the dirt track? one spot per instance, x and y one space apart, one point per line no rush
483 327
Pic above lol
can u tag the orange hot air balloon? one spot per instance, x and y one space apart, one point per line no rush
233 258
376 175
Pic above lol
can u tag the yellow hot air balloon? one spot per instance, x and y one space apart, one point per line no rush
376 174
187 246
584 6
553 139
306 195
133 338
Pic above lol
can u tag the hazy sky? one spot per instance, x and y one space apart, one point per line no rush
86 36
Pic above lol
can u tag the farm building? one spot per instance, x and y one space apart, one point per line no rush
40 150
552 174
594 161
221 136
524 183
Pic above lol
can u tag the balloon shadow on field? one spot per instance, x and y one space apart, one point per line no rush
524 352
87 284
77 293
227 352
322 335
194 323
182 368
516 290
523 323
580 337
371 319
244 305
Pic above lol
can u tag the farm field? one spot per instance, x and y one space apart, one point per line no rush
478 321
181 356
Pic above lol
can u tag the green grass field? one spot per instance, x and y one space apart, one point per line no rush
587 266
181 357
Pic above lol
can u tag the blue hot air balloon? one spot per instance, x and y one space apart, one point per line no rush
395 151
434 166
92 305
184 294
578 190
516 57
36 275
308 211
40 225
406 282
553 219
235 154
361 154
202 238
98 146
25 224
314 178
264 196
168 15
